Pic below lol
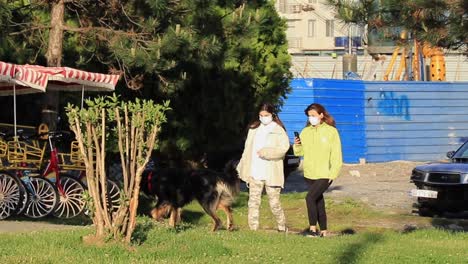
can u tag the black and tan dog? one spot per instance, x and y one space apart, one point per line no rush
175 188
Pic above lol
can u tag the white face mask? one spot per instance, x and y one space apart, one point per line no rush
266 119
313 120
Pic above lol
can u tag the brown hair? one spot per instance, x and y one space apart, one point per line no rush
270 109
327 118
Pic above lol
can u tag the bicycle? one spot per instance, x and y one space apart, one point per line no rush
24 189
11 195
71 188
27 188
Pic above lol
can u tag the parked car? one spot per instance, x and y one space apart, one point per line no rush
217 160
290 162
442 187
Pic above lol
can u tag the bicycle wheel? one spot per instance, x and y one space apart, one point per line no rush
43 197
71 201
24 198
113 195
10 195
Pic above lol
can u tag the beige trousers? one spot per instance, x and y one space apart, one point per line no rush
255 199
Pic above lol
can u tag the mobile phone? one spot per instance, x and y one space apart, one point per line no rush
296 134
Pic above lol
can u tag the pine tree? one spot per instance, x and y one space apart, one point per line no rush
215 60
443 23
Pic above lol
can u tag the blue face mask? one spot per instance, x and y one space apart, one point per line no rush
313 120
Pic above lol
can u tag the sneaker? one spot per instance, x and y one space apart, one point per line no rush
283 230
253 227
308 233
313 234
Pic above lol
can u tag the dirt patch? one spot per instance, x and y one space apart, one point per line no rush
383 186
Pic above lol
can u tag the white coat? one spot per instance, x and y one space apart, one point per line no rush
276 147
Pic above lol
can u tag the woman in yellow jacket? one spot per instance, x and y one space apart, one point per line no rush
319 143
261 165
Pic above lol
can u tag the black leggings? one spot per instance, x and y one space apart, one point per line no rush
315 202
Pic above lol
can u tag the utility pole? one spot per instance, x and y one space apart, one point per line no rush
349 59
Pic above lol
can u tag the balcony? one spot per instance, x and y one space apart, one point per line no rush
295 8
295 43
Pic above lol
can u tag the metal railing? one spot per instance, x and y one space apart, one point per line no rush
295 43
294 8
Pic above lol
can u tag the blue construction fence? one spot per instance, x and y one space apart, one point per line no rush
385 121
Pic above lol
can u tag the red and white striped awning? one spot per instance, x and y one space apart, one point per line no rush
17 79
7 71
24 79
69 79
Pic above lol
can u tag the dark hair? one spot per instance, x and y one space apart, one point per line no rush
270 109
327 118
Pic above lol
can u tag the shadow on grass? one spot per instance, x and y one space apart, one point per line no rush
145 204
354 251
451 223
241 199
348 231
192 217
462 215
140 234
182 227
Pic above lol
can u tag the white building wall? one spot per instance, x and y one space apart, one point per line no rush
328 67
298 13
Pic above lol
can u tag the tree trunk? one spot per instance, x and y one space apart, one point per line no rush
54 49
54 59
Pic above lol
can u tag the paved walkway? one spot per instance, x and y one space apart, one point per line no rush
14 226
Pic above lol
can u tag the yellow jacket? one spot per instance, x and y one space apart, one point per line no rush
276 148
321 148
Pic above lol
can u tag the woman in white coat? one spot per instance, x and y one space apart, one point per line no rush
261 165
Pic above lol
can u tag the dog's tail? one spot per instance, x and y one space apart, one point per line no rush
227 194
230 183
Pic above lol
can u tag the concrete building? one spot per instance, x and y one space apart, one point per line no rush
313 28
317 42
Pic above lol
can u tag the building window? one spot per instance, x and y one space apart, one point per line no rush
283 5
330 24
292 22
311 28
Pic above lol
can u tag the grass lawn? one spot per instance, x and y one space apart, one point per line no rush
374 237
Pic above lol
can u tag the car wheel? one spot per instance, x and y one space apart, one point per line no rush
427 211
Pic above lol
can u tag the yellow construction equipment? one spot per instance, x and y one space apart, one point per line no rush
403 39
437 69
437 63
416 66
400 68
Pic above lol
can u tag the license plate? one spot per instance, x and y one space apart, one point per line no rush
293 161
424 193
